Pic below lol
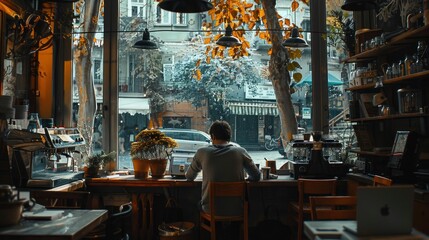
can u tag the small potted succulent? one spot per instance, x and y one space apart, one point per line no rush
98 161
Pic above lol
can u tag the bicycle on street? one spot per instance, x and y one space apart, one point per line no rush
271 143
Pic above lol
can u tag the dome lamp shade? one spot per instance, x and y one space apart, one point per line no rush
145 43
228 40
294 40
186 6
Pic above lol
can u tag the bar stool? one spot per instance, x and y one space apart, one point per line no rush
218 190
307 188
381 181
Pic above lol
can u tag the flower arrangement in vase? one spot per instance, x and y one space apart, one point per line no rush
150 150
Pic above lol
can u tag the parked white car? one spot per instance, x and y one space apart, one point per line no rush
188 140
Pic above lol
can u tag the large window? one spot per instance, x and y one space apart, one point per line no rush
137 69
162 16
137 8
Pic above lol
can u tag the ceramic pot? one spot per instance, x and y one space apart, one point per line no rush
13 212
158 167
91 172
141 168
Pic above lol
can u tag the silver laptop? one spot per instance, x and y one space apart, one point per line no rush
384 211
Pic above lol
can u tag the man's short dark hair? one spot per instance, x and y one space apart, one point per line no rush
221 130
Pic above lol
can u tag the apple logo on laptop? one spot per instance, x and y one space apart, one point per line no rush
384 210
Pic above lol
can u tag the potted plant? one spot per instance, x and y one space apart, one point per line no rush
151 150
97 161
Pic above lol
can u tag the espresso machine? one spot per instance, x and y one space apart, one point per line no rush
317 164
44 160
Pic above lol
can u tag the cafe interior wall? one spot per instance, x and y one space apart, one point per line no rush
37 71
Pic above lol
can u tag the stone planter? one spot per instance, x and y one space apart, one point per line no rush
141 168
158 167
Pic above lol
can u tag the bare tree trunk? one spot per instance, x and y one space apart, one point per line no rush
279 75
84 78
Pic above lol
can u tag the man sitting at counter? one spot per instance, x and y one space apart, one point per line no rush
221 162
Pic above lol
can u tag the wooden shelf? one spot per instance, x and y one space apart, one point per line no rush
394 116
393 44
371 153
411 77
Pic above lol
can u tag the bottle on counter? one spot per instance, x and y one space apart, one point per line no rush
34 123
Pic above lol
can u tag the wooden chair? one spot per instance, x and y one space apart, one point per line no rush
381 181
307 188
219 190
333 207
57 199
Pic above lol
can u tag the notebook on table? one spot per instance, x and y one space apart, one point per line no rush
383 211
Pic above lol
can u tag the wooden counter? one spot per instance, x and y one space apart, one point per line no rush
167 181
268 198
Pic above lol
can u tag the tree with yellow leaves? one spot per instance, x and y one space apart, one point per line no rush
242 16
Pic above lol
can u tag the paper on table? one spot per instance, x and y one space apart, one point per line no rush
44 215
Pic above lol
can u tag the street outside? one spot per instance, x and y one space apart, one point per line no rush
257 156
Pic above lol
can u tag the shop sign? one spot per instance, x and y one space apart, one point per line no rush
263 92
306 113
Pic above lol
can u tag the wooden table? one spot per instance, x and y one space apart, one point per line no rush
75 224
335 230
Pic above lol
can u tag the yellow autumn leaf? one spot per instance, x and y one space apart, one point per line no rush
297 77
198 63
251 25
261 13
207 40
290 67
246 44
220 54
296 64
208 59
198 73
294 5
287 21
245 53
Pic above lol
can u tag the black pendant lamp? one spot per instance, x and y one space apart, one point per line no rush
228 40
359 5
186 6
61 1
145 43
294 40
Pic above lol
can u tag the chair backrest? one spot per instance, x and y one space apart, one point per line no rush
118 221
333 207
310 187
57 199
219 191
381 181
